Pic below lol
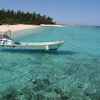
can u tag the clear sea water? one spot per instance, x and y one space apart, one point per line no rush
70 73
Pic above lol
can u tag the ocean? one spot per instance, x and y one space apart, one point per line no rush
70 73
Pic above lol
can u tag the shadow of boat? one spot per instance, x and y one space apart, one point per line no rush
59 52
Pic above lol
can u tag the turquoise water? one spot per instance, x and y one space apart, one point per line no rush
70 73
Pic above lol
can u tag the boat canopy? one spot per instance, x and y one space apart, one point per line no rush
5 34
3 31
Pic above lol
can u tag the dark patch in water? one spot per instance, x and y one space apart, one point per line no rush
9 94
13 63
95 60
32 61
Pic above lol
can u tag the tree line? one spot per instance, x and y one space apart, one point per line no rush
11 17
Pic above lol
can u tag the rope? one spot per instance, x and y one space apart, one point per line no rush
16 77
70 45
74 47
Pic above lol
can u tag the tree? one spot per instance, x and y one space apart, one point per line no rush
19 17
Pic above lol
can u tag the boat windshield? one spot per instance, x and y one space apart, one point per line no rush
4 36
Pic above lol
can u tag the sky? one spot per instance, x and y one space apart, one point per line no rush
69 12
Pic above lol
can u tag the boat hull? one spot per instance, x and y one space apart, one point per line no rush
33 46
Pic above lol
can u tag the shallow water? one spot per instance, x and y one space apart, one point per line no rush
72 72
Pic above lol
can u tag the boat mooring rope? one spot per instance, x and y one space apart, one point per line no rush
16 77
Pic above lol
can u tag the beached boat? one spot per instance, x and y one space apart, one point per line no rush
6 43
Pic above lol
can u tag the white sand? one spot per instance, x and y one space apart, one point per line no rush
18 27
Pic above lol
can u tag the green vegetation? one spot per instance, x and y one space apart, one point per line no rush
11 17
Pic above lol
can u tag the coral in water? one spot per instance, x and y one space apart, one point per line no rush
40 89
9 94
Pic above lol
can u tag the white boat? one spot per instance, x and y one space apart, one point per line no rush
6 43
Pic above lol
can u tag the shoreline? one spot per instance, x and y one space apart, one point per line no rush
21 27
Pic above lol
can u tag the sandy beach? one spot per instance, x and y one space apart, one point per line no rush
18 27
